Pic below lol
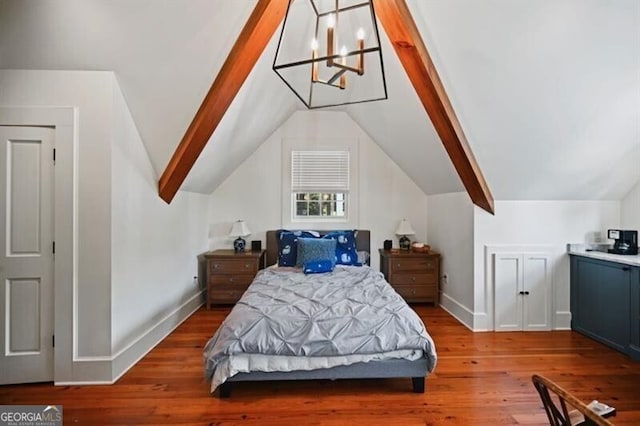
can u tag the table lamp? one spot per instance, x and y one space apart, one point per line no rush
239 230
404 229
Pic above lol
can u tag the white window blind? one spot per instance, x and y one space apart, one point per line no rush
320 171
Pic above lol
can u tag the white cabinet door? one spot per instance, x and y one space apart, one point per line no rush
522 285
537 292
508 285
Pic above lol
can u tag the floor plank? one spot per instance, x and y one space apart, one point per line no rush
481 379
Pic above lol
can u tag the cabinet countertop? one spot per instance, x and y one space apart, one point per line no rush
581 250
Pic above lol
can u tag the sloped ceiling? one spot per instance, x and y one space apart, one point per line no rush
548 92
402 129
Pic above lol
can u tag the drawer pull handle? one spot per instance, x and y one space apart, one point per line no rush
413 279
216 266
247 266
231 279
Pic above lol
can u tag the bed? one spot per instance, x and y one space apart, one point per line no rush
344 324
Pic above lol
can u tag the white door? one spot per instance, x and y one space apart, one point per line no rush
537 288
508 291
26 254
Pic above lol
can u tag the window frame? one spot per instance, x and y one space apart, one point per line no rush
288 213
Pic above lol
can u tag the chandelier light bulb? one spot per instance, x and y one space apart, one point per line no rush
331 21
343 51
360 34
314 44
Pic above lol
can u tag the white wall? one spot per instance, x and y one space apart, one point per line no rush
154 245
91 93
253 192
630 209
450 228
553 223
132 258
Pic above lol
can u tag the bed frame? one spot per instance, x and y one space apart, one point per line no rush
394 368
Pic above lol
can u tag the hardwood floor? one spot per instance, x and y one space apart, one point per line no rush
481 379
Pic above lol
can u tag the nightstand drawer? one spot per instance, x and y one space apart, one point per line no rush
225 295
233 266
229 274
399 265
230 281
415 276
410 292
414 279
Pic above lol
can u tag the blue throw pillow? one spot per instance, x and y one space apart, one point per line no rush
318 266
288 246
346 251
315 249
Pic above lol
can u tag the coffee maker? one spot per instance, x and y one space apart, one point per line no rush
626 242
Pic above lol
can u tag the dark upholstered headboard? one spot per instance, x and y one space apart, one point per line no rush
363 243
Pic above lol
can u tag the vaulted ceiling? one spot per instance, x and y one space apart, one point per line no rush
547 92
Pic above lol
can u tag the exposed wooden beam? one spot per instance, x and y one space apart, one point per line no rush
246 51
412 52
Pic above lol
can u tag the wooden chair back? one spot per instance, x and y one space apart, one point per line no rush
578 414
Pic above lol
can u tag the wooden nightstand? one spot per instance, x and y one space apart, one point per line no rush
415 276
228 274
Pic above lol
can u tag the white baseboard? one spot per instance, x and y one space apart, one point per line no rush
107 370
562 320
458 310
88 370
96 383
481 322
101 370
136 350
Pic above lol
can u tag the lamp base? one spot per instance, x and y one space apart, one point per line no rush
239 245
405 243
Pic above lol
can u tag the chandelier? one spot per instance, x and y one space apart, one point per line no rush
329 53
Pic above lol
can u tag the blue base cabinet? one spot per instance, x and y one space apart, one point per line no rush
634 344
605 303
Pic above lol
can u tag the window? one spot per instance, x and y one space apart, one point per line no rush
319 184
320 204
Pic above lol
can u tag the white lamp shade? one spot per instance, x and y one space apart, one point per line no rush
239 229
404 228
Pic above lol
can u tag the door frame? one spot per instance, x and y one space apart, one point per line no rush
65 224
